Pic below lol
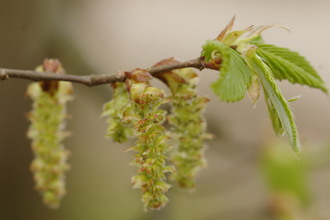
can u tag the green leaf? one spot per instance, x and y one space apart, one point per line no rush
235 77
276 122
279 109
286 64
256 40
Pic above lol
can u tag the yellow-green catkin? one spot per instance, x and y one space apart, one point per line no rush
47 133
188 122
118 130
151 145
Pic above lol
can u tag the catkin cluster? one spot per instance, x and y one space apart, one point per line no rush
47 133
151 145
134 112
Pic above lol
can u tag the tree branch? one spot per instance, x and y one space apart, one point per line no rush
94 80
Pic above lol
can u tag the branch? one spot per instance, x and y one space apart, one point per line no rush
94 80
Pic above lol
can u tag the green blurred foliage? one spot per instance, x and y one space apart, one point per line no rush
283 173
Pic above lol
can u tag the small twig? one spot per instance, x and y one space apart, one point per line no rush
94 80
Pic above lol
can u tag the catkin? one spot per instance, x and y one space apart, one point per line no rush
151 145
189 125
47 131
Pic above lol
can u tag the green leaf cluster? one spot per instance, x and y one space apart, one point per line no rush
248 64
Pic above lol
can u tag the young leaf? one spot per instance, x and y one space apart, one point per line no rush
231 37
256 40
255 34
286 64
279 109
235 76
226 30
254 89
276 122
294 98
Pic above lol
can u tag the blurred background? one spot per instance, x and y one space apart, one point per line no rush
251 173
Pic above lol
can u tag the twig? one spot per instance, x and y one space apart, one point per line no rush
94 80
